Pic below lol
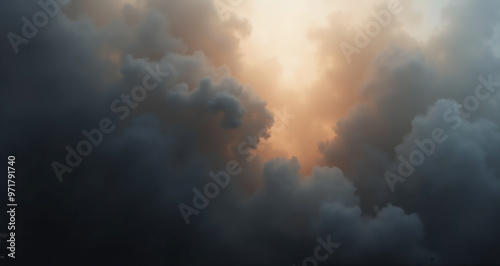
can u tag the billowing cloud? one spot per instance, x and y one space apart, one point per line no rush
404 106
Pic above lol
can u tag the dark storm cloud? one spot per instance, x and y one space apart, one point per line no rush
457 186
288 214
455 191
120 204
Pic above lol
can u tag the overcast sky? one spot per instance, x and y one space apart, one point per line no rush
252 132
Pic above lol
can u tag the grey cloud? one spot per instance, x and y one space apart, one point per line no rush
289 213
456 188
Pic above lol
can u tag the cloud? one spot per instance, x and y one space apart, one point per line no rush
403 92
288 214
125 194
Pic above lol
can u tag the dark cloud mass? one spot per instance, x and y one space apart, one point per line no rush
120 204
